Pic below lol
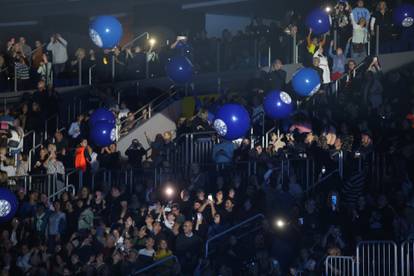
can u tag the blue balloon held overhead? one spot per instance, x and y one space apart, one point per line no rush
8 205
404 15
278 104
318 21
102 114
232 121
306 82
179 69
105 31
103 134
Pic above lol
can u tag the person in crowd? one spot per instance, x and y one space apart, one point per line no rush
324 65
76 127
58 47
26 49
45 70
360 12
277 76
37 56
359 33
82 156
341 23
22 72
338 60
135 153
381 21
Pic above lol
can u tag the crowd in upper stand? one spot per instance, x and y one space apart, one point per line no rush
246 49
114 229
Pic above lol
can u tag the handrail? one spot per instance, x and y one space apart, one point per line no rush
150 103
322 179
172 257
148 107
56 115
66 188
33 138
229 230
69 174
30 155
90 73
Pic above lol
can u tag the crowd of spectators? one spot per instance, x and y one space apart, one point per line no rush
109 229
246 49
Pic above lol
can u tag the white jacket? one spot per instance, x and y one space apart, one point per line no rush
359 34
59 51
324 65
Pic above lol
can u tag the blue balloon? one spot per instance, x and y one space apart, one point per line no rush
105 31
179 69
103 134
102 114
318 21
232 121
278 104
306 82
404 15
183 48
8 205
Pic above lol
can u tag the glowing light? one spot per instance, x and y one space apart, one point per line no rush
169 191
280 223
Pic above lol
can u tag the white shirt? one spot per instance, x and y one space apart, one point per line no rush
74 130
146 252
359 34
59 51
324 65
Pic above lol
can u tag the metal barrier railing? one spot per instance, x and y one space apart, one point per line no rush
377 258
231 229
60 191
43 183
144 113
407 257
339 265
157 264
75 178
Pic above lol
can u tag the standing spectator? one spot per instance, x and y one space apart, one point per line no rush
22 72
26 49
56 226
75 127
324 65
45 70
37 55
382 19
340 22
54 166
188 247
360 12
277 76
359 35
82 157
338 60
135 153
57 46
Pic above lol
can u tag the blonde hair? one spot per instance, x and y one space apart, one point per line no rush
79 52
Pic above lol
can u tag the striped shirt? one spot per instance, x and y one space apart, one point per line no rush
22 71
